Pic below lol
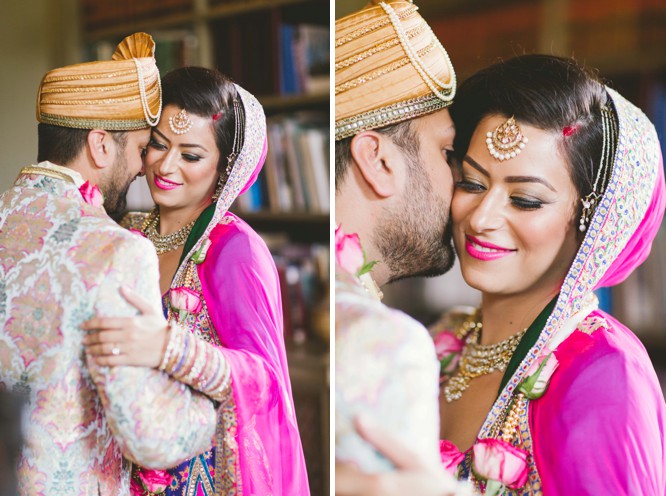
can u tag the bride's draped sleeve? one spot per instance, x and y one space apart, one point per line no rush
600 428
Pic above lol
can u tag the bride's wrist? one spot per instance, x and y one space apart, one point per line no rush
169 354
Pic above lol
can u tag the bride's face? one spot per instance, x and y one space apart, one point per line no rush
514 227
181 169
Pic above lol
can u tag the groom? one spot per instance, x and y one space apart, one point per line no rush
393 188
63 260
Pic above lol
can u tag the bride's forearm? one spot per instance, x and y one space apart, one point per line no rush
196 363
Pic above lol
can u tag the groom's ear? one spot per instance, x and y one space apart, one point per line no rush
375 155
101 148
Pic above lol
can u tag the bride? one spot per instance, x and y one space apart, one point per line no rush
560 192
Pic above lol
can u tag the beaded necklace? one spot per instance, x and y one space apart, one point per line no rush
479 359
168 242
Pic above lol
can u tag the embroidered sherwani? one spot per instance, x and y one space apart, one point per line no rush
386 368
62 262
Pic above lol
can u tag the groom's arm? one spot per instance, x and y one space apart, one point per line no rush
412 474
157 421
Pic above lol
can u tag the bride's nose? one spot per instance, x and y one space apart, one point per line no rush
488 213
167 164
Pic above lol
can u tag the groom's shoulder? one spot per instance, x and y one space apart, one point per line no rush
110 240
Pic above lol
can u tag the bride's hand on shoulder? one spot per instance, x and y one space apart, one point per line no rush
137 341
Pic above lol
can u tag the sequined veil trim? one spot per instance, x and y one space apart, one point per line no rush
533 486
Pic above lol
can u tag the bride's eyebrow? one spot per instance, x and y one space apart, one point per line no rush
530 179
476 165
188 145
509 179
157 131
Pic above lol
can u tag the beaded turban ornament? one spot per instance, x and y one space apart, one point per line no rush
121 94
389 67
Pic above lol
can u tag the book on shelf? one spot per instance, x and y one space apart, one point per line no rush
246 50
304 59
175 48
268 56
295 176
303 283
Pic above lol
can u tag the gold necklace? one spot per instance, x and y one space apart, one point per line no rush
168 242
479 359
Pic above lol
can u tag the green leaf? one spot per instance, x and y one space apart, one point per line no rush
366 267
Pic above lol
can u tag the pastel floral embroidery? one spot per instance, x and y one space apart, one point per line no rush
185 301
91 194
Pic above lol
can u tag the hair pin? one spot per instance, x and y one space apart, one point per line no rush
569 130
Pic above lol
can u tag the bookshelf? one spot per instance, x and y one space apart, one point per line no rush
277 50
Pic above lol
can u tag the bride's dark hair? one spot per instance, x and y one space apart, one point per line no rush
206 93
544 91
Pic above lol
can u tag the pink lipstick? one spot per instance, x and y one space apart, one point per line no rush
482 250
164 183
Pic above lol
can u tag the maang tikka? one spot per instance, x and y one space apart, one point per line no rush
180 123
506 141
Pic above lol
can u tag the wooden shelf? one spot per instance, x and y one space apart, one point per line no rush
236 8
281 103
209 13
301 227
147 25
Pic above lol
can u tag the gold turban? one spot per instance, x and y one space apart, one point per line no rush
121 94
389 67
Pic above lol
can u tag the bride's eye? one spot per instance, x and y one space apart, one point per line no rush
156 145
470 186
191 158
526 203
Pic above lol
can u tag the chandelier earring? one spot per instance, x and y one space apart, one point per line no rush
218 188
608 148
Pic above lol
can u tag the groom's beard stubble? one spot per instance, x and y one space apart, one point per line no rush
415 238
115 199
